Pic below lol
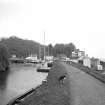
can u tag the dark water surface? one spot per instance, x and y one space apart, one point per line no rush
18 80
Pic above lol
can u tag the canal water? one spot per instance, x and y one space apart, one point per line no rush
18 80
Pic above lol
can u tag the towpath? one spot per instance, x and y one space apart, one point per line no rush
84 89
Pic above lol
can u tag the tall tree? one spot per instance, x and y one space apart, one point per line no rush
64 49
69 48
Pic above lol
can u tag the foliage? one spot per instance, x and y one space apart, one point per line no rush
20 47
23 48
50 47
4 62
64 49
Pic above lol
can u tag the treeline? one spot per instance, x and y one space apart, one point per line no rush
23 48
63 49
20 47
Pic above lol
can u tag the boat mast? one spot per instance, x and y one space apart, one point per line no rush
39 51
48 50
44 47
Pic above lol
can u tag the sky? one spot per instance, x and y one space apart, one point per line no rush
81 22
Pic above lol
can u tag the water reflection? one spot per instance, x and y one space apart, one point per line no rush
18 80
3 80
3 85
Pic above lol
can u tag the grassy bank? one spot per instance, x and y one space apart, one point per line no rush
51 92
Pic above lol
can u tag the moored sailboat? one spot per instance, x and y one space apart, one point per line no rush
44 65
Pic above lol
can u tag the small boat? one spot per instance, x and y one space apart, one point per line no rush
50 63
44 67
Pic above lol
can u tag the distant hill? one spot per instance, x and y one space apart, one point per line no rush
20 47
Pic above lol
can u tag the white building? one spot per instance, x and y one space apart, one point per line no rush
86 61
77 53
99 67
81 53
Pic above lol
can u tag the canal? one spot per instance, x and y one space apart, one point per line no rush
18 80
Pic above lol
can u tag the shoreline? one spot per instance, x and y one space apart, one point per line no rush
51 92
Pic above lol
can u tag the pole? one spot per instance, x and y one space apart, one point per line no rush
48 50
44 47
39 51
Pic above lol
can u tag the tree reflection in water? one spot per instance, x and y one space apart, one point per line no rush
3 79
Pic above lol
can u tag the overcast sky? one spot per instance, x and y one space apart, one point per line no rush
79 21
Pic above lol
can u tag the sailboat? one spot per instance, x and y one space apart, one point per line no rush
44 65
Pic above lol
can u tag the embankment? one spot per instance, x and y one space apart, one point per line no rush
53 92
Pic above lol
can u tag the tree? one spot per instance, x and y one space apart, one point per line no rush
64 49
4 55
59 49
69 48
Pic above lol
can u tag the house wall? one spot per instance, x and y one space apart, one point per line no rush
74 54
99 67
81 53
87 62
95 62
78 53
